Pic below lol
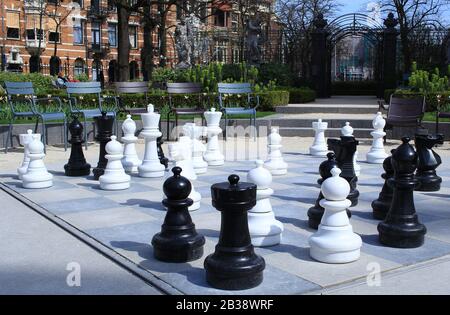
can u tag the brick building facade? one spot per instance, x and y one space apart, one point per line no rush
85 35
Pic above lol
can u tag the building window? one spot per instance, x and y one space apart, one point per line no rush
221 51
53 32
78 37
220 18
79 67
112 34
53 2
95 33
133 36
13 25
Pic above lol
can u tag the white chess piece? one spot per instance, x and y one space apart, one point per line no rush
114 177
319 146
25 139
130 160
37 175
194 132
377 155
265 230
181 153
151 166
275 162
347 131
334 242
213 156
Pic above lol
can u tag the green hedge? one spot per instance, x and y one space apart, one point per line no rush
354 88
431 99
41 83
301 95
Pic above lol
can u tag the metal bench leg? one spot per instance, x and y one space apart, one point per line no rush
85 133
225 127
176 127
44 136
9 137
36 125
66 136
168 126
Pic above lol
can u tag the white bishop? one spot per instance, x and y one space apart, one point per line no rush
377 155
334 242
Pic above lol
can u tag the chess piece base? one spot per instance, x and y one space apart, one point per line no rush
115 186
227 274
264 229
335 258
429 183
98 172
154 170
77 171
201 170
130 169
37 184
176 251
353 197
380 209
402 236
216 162
196 198
319 152
376 158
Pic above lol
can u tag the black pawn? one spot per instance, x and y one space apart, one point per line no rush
315 213
234 264
381 206
77 165
429 161
104 126
164 161
178 241
401 228
345 148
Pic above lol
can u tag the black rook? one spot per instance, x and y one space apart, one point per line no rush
401 228
234 264
178 240
77 165
105 126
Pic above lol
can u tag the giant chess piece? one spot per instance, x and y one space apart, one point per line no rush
265 230
181 153
377 154
347 131
319 146
335 242
130 160
275 163
428 162
213 156
77 165
162 158
114 177
401 228
234 264
37 175
382 205
345 149
105 125
151 166
178 240
25 139
194 132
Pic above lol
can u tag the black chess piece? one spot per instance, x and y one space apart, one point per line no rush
77 165
162 158
345 149
105 125
428 161
401 228
178 240
381 206
234 264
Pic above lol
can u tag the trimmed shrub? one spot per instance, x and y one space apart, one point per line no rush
301 95
269 100
279 73
41 83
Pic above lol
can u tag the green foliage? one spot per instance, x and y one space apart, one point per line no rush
82 77
425 82
41 83
280 73
431 99
301 95
270 99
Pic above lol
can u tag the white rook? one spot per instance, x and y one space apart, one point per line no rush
319 146
151 166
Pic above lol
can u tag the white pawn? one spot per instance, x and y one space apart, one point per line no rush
25 139
114 177
377 155
334 242
151 166
275 162
319 146
213 156
130 160
265 230
181 153
37 175
347 131
194 132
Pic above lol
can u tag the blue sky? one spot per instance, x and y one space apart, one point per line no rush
353 5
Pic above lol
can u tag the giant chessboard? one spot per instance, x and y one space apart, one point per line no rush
126 221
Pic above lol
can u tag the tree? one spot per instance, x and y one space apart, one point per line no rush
413 15
297 17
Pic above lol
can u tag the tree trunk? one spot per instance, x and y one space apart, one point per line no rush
123 48
163 38
147 52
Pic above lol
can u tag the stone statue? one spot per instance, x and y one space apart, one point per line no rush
182 45
254 33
